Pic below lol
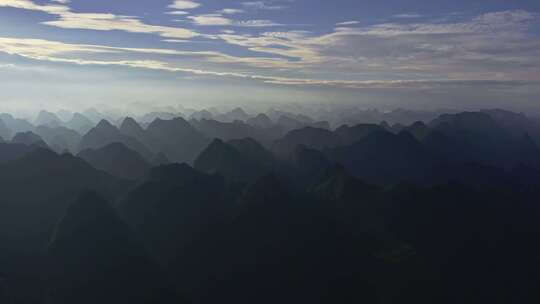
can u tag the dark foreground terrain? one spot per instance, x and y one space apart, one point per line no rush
270 208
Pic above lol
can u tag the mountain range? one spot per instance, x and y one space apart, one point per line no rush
275 207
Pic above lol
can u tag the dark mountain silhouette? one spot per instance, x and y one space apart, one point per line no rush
274 242
396 128
253 151
176 138
36 189
358 206
118 160
29 139
442 211
172 206
105 133
44 176
80 123
160 159
479 138
350 135
309 137
516 123
260 121
233 130
468 256
97 259
383 157
307 165
245 163
337 185
468 124
419 130
130 127
10 152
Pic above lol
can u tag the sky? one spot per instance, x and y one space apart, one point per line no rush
377 54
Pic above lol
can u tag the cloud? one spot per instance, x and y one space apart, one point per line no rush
220 20
177 13
106 22
211 20
61 1
29 5
492 45
53 51
38 48
109 22
175 40
496 47
495 22
98 21
348 23
231 11
184 5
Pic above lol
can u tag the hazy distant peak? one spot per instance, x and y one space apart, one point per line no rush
177 124
203 114
5 131
48 119
80 121
239 111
